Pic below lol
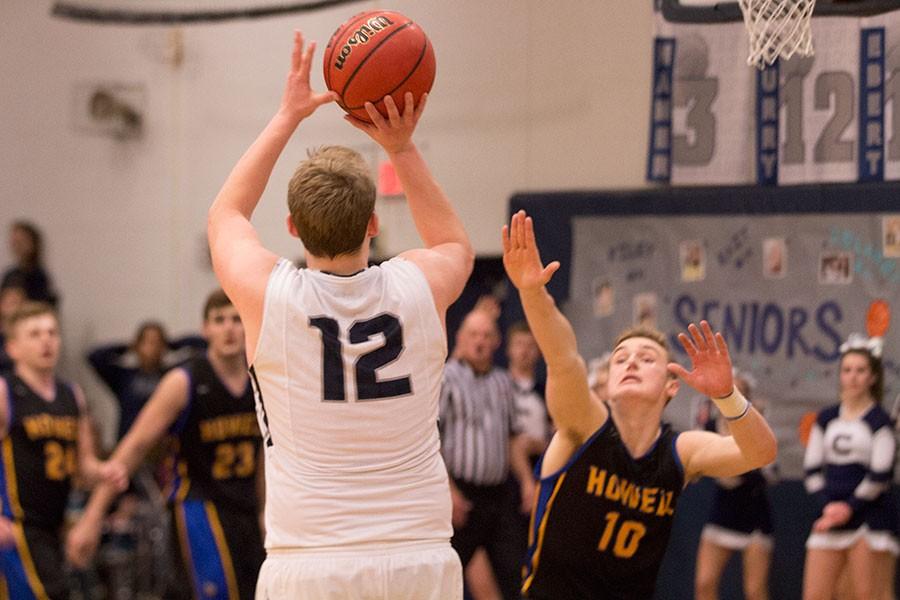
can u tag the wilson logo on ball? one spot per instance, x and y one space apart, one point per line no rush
375 54
361 36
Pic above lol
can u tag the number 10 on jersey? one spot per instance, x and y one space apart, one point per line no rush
368 387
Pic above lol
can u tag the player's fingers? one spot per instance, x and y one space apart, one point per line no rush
699 342
324 98
376 117
529 233
523 224
687 344
298 51
420 107
306 59
392 110
504 238
708 337
516 226
549 270
409 107
722 346
677 370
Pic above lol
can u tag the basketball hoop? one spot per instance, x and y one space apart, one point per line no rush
778 29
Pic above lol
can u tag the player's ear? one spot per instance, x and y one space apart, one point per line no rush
374 226
671 387
292 229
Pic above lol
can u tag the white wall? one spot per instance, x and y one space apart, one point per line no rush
530 95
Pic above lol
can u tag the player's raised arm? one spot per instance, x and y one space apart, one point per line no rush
241 263
569 402
751 444
448 257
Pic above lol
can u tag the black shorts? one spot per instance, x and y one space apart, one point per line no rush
33 568
221 551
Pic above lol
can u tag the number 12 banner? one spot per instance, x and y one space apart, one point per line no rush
825 118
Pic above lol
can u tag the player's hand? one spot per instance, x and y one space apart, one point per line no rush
7 535
394 133
710 372
527 490
114 473
834 515
299 100
521 258
82 542
461 508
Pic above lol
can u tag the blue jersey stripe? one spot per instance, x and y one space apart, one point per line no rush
208 573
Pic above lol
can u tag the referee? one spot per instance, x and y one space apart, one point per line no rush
478 441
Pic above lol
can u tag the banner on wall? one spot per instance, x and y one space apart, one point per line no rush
785 290
831 117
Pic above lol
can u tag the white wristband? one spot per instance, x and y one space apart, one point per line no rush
733 406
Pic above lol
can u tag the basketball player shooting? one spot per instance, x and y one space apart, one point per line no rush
346 360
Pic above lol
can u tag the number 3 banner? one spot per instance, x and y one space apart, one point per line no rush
824 118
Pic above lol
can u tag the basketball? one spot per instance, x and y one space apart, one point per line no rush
374 54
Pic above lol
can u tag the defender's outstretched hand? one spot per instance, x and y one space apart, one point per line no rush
299 99
394 133
521 258
710 372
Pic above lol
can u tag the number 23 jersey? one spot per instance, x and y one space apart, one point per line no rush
347 374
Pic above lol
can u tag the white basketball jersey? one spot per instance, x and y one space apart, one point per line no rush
347 375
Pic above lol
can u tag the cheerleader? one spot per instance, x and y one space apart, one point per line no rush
849 465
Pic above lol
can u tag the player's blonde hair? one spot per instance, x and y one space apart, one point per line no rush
643 332
331 197
27 310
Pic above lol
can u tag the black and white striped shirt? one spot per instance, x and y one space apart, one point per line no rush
477 413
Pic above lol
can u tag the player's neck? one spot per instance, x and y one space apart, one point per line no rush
344 264
638 425
855 406
42 381
228 366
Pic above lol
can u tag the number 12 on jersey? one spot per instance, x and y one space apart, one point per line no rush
368 387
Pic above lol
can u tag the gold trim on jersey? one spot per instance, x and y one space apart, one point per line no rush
34 581
11 486
224 553
536 557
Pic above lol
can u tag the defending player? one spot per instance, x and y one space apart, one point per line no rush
347 361
207 405
47 442
612 473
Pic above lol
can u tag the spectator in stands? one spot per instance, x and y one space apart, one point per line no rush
11 298
133 371
27 246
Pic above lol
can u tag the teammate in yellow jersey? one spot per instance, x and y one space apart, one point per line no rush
612 474
207 406
47 444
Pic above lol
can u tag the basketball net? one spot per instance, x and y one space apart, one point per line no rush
778 29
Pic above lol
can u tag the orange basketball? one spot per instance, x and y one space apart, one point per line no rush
374 54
